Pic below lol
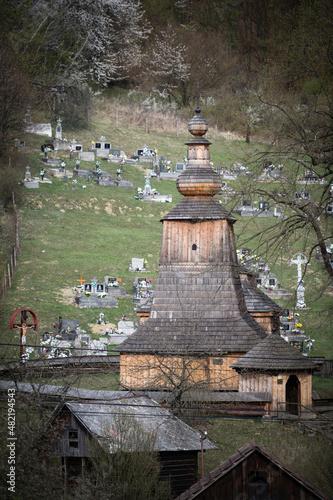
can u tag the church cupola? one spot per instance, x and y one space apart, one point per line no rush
199 179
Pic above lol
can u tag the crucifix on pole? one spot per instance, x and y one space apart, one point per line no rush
299 259
23 325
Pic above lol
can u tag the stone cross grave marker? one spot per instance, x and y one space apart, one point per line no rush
299 260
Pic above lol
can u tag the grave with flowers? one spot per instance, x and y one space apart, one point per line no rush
142 289
94 294
113 286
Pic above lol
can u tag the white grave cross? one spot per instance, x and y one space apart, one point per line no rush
300 304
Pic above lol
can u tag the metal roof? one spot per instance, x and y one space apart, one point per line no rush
172 434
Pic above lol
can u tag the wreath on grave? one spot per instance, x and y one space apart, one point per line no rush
102 295
88 294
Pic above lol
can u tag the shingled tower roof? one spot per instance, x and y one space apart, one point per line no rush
198 305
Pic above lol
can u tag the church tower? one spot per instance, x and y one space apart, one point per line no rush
198 324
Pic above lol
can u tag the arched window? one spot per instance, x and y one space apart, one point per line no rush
194 246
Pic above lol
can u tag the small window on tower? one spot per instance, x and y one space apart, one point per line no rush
194 246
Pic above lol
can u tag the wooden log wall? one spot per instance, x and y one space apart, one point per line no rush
206 242
149 371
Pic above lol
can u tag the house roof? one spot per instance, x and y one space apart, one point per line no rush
242 454
274 353
172 434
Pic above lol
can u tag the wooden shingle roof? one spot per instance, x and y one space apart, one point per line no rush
199 208
273 353
196 309
256 300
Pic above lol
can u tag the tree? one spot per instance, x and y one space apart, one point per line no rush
297 100
83 41
168 67
15 98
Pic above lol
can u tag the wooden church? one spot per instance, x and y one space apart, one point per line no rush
198 324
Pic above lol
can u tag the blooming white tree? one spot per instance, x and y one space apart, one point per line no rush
96 42
168 67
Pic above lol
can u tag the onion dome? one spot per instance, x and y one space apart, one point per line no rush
199 178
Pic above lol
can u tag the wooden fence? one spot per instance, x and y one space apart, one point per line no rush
9 271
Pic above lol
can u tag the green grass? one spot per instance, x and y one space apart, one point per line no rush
66 232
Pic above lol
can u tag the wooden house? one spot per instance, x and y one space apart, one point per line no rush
198 324
252 473
276 367
177 443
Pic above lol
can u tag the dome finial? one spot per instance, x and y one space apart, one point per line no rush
198 110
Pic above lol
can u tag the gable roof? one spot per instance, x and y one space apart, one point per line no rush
274 353
242 454
172 434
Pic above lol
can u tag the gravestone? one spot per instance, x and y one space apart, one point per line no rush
125 184
31 183
137 265
58 132
277 212
299 260
126 327
86 156
27 175
79 172
113 288
142 289
44 129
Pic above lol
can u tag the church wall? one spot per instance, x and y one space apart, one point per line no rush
255 382
201 242
148 371
276 386
264 320
221 375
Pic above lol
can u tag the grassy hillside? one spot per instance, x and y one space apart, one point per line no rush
67 231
